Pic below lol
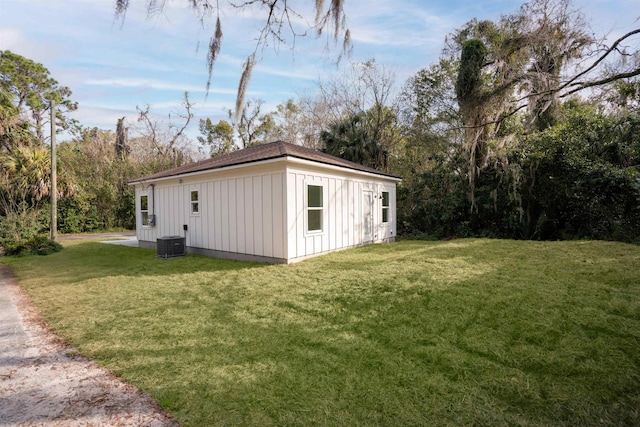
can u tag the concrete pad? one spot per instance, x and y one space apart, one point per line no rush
127 241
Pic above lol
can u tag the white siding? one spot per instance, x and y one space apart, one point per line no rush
261 210
242 213
342 211
278 193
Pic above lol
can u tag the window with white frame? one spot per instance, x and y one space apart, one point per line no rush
315 207
195 205
144 210
385 206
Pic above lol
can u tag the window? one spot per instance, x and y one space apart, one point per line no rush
144 210
385 206
195 207
314 208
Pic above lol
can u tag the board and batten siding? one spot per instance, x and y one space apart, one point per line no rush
342 211
238 213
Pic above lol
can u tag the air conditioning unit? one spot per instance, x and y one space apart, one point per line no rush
170 246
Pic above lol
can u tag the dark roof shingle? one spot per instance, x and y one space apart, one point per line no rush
259 153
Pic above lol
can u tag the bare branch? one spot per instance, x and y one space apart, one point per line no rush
602 57
584 85
143 116
279 14
188 116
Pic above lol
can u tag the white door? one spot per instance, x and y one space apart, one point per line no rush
367 216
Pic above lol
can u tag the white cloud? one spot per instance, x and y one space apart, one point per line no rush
155 84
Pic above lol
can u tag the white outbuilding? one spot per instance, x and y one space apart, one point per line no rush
275 202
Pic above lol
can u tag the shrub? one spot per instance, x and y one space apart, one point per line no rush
37 245
22 225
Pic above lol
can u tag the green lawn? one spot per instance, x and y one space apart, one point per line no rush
466 332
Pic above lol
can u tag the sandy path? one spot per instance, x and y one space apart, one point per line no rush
43 382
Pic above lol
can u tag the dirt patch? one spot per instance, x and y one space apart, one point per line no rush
44 382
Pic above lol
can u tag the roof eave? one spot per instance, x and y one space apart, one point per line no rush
204 171
376 174
285 157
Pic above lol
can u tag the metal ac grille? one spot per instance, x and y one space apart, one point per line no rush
170 246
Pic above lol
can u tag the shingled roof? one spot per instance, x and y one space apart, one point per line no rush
258 153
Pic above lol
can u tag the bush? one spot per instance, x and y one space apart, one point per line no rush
37 245
22 226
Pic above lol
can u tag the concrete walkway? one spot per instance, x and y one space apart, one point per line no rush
44 382
83 236
123 241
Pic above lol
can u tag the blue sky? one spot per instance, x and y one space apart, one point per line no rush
113 68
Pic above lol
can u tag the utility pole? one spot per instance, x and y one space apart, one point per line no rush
54 189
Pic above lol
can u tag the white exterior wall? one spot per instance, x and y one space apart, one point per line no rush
261 210
343 210
241 211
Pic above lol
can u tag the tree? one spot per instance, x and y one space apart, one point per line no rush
291 122
32 90
122 136
8 113
25 173
102 197
621 97
254 128
580 176
24 183
491 60
13 129
168 142
218 137
516 63
476 116
557 36
353 139
280 16
366 90
26 94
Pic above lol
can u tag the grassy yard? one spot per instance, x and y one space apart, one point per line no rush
466 332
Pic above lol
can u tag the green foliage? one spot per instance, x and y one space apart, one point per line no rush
354 138
472 60
576 179
477 163
125 210
32 90
584 179
24 176
22 226
37 245
218 137
434 202
102 199
79 215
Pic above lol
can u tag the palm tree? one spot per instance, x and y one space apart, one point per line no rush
352 139
25 176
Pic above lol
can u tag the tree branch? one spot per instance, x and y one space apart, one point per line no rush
584 85
602 57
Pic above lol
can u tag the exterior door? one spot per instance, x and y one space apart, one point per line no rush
367 216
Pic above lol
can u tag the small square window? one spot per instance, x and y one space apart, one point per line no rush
315 196
144 210
195 206
314 207
385 206
315 220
